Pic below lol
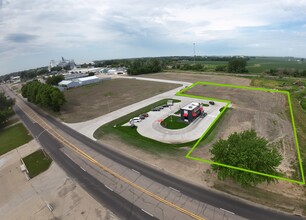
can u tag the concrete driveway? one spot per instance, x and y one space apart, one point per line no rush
151 127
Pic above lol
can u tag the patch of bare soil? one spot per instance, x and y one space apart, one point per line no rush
196 77
262 111
91 101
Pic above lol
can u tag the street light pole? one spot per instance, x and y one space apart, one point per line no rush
194 53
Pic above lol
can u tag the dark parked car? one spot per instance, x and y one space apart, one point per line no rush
156 109
165 106
145 114
211 102
142 117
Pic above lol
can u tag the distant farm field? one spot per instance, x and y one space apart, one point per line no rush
91 101
258 65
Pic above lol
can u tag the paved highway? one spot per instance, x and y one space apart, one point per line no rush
109 197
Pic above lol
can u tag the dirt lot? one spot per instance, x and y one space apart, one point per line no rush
88 102
195 77
264 112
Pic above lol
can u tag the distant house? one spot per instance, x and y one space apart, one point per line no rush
15 79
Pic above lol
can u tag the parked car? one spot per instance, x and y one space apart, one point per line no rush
156 109
160 107
142 117
145 114
136 119
165 106
211 102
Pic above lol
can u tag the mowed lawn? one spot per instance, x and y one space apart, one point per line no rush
91 101
37 163
13 137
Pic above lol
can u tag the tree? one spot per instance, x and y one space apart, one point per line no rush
248 151
221 68
43 95
237 65
6 109
54 80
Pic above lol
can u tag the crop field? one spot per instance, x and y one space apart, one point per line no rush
258 65
91 101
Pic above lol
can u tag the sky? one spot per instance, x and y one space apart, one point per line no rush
33 32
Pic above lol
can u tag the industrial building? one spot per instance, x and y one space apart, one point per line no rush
78 82
191 111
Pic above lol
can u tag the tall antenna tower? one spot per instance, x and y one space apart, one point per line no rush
194 53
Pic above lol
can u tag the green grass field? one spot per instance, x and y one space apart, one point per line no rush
260 65
173 122
37 163
13 137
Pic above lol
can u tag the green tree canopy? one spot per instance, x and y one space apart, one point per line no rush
43 95
6 109
237 65
248 151
54 80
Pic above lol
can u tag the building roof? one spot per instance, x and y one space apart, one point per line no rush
191 106
87 78
65 82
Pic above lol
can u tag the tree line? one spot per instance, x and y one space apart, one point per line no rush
287 72
6 109
54 80
43 95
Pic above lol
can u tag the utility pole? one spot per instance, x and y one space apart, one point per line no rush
194 53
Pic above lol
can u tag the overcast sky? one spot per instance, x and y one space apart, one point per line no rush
33 32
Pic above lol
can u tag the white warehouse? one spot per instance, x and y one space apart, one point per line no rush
88 80
78 82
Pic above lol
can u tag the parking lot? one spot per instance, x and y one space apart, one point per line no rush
150 127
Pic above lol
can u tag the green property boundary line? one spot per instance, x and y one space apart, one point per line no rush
188 155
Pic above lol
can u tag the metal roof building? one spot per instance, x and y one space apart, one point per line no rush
88 80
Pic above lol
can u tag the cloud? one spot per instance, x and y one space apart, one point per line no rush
45 30
20 37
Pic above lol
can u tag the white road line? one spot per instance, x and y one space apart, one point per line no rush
83 169
227 211
108 187
68 156
147 212
135 171
173 189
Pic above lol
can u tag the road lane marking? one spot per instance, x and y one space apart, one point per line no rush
136 171
83 169
147 212
109 188
61 139
174 189
227 211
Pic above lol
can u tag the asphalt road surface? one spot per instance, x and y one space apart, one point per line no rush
118 204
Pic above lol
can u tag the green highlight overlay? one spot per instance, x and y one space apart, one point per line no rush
188 155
